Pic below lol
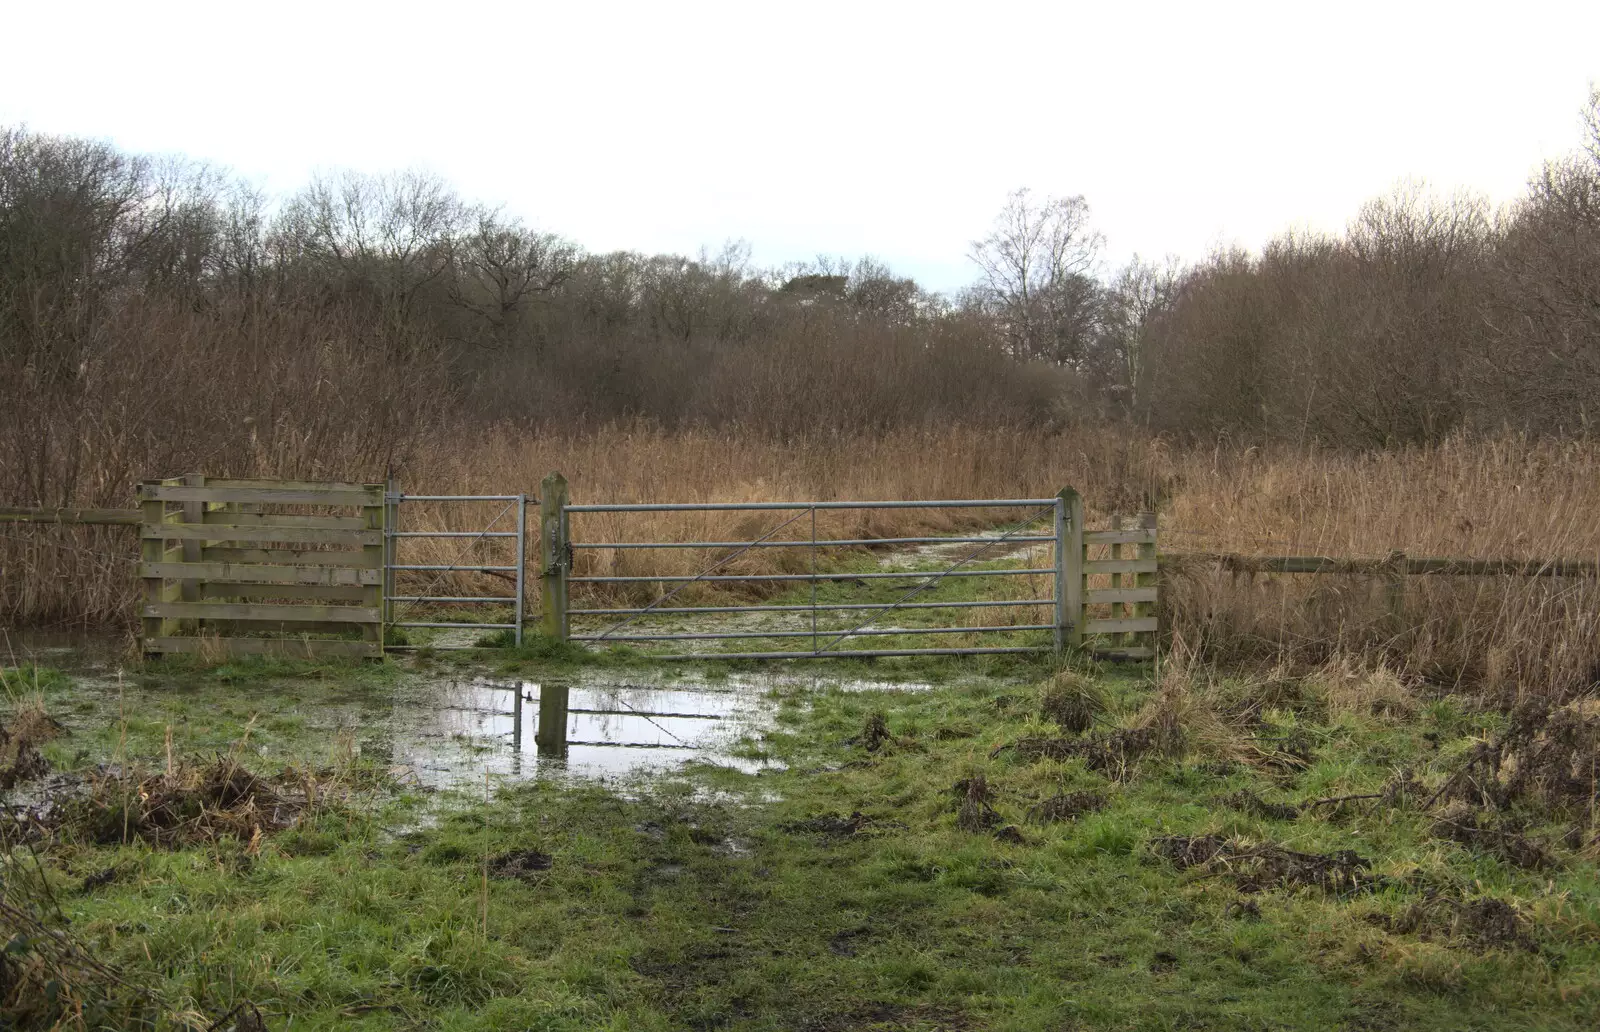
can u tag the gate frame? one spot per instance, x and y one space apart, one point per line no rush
393 498
1075 600
556 531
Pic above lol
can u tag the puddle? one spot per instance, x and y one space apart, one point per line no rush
594 730
599 729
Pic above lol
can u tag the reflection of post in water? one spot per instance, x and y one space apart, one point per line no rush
551 737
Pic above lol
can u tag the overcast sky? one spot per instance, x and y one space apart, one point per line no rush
893 130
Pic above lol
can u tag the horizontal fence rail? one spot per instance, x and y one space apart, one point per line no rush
963 503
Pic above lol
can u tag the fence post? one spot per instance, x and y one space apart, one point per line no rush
1147 550
391 523
376 517
1394 590
522 574
1069 568
553 555
153 549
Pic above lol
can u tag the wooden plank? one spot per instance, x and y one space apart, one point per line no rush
250 573
256 611
225 532
1118 537
81 517
292 648
1133 624
1092 566
1121 595
155 589
267 495
290 485
289 557
242 519
1414 565
318 592
1126 652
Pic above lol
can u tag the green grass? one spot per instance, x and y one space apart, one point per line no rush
701 900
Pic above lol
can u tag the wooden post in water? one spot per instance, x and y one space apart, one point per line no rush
553 560
551 737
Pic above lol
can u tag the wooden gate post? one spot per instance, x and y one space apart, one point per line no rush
1147 550
553 556
1069 568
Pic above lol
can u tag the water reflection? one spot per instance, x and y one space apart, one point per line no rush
524 728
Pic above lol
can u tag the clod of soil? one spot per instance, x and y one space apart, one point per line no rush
1108 753
522 864
1546 756
1483 924
1010 833
1067 806
975 815
875 733
1071 701
831 825
1267 866
20 759
1248 802
192 802
1499 837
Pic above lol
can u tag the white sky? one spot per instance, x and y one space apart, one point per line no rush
817 127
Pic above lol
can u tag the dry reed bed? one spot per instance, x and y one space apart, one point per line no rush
1472 497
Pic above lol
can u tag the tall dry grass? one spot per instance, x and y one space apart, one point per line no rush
1470 497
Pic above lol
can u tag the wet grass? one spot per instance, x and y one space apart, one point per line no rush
909 867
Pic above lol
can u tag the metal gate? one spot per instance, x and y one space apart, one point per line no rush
1104 603
1051 513
507 523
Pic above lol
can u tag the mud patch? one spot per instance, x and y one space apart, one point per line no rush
1108 753
1497 836
1252 804
1257 868
834 826
1067 806
190 803
1480 924
525 865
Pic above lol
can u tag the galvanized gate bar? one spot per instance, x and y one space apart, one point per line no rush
838 606
959 503
808 543
911 575
696 636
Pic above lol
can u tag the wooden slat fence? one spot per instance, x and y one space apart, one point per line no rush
228 571
1110 583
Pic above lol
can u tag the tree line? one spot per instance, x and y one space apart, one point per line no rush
159 313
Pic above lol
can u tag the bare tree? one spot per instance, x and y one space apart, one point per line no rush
501 267
1037 263
1137 295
